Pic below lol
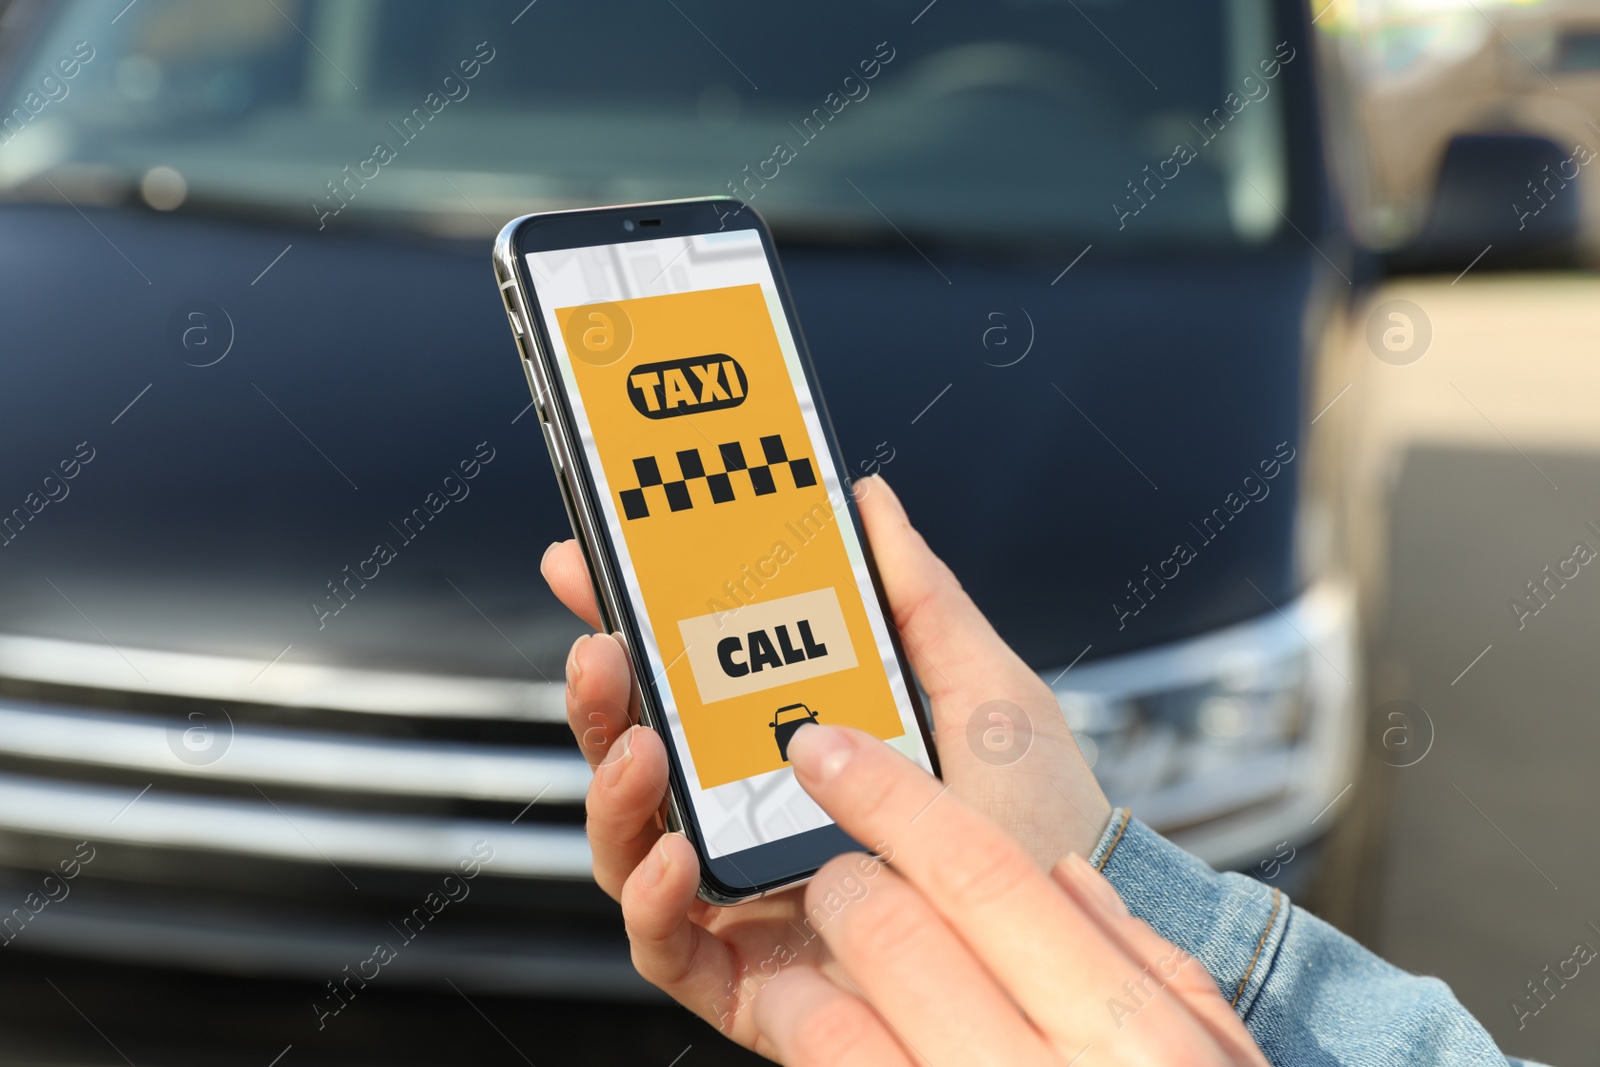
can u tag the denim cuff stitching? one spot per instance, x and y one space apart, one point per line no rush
1277 905
1109 839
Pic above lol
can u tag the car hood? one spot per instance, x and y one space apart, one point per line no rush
1052 439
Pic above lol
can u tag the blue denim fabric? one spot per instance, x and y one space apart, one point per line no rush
1309 995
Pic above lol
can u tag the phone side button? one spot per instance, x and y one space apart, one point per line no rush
550 443
508 293
533 384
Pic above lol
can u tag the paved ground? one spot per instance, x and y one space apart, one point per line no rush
1490 869
1485 468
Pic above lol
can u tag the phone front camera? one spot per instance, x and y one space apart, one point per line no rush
627 224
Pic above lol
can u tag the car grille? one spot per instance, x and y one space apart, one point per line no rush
315 808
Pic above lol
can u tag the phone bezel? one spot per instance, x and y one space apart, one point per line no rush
763 869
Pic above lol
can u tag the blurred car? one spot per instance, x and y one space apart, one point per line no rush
1426 76
277 647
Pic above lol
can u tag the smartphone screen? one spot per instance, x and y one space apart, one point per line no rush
725 506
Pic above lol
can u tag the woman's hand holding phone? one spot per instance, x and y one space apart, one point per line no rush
964 951
1046 799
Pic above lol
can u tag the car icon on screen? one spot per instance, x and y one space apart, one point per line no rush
786 721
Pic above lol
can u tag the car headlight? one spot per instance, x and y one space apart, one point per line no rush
1230 738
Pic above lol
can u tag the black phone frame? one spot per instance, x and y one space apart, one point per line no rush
765 868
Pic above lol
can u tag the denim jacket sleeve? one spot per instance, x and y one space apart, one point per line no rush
1308 994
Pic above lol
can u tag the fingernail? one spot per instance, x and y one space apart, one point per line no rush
574 671
820 752
546 555
655 865
620 756
1096 888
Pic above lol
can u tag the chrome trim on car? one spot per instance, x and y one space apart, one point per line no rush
311 759
1195 659
265 828
1290 797
282 682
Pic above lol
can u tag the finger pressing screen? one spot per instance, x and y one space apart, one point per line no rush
1045 952
913 969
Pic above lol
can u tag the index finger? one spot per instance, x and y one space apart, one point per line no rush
1051 957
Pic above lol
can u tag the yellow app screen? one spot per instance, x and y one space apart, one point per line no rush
727 516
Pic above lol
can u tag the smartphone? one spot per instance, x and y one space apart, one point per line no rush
703 480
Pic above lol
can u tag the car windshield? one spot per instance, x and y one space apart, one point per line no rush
1017 120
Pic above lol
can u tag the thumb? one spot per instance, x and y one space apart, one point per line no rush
959 658
1003 742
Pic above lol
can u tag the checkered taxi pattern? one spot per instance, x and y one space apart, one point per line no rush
721 486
